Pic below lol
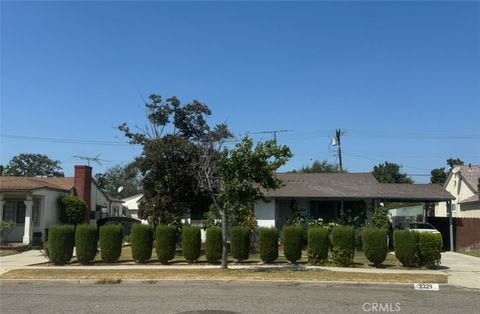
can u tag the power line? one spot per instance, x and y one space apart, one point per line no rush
64 140
379 160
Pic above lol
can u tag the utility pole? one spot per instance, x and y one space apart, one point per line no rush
274 132
338 137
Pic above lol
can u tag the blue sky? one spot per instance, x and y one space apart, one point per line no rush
403 79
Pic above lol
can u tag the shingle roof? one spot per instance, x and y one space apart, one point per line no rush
8 183
354 186
471 199
471 174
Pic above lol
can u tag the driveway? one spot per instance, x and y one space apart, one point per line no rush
20 260
464 270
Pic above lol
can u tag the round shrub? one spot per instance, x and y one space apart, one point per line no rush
343 245
293 239
86 239
429 249
191 242
268 244
141 240
72 209
61 240
213 244
240 243
166 239
318 243
374 242
405 243
111 238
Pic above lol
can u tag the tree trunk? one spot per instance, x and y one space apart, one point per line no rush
223 215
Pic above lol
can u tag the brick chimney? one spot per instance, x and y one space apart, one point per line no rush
83 186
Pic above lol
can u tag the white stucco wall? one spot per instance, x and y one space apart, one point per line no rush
265 213
460 190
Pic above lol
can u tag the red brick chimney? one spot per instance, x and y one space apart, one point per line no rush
83 186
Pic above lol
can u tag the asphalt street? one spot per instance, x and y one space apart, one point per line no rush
230 297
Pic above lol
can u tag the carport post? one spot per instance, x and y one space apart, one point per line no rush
450 222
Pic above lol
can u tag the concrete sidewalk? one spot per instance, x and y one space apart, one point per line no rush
463 270
21 260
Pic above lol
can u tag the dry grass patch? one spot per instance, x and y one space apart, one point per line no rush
219 274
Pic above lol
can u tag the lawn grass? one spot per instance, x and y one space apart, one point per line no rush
274 274
473 253
8 252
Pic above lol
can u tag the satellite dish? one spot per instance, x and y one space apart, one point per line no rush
120 189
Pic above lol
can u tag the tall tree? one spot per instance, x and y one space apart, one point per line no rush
169 156
389 172
439 175
118 176
320 167
31 165
452 162
236 178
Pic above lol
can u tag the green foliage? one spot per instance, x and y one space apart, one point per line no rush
61 240
343 245
191 243
213 244
293 241
6 226
320 167
127 177
31 165
375 245
86 243
430 248
166 239
318 243
72 209
240 243
268 244
405 243
141 239
380 218
438 176
452 162
111 238
389 172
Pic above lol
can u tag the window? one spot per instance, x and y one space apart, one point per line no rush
21 211
9 211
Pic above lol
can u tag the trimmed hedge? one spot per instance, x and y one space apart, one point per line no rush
293 240
240 243
111 239
405 243
166 239
141 240
318 243
61 240
86 241
375 245
430 248
343 245
213 244
191 242
268 244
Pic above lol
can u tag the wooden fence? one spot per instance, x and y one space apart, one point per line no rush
466 232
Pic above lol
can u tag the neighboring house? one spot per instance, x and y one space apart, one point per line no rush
130 204
31 202
462 183
329 195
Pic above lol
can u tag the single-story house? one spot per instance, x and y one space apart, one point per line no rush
462 183
31 202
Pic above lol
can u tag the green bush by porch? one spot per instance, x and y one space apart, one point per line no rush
374 242
293 239
268 244
240 243
111 239
61 240
141 239
86 240
318 243
343 245
405 243
165 238
430 248
191 243
213 244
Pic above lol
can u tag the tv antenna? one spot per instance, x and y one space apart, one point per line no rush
274 132
92 159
